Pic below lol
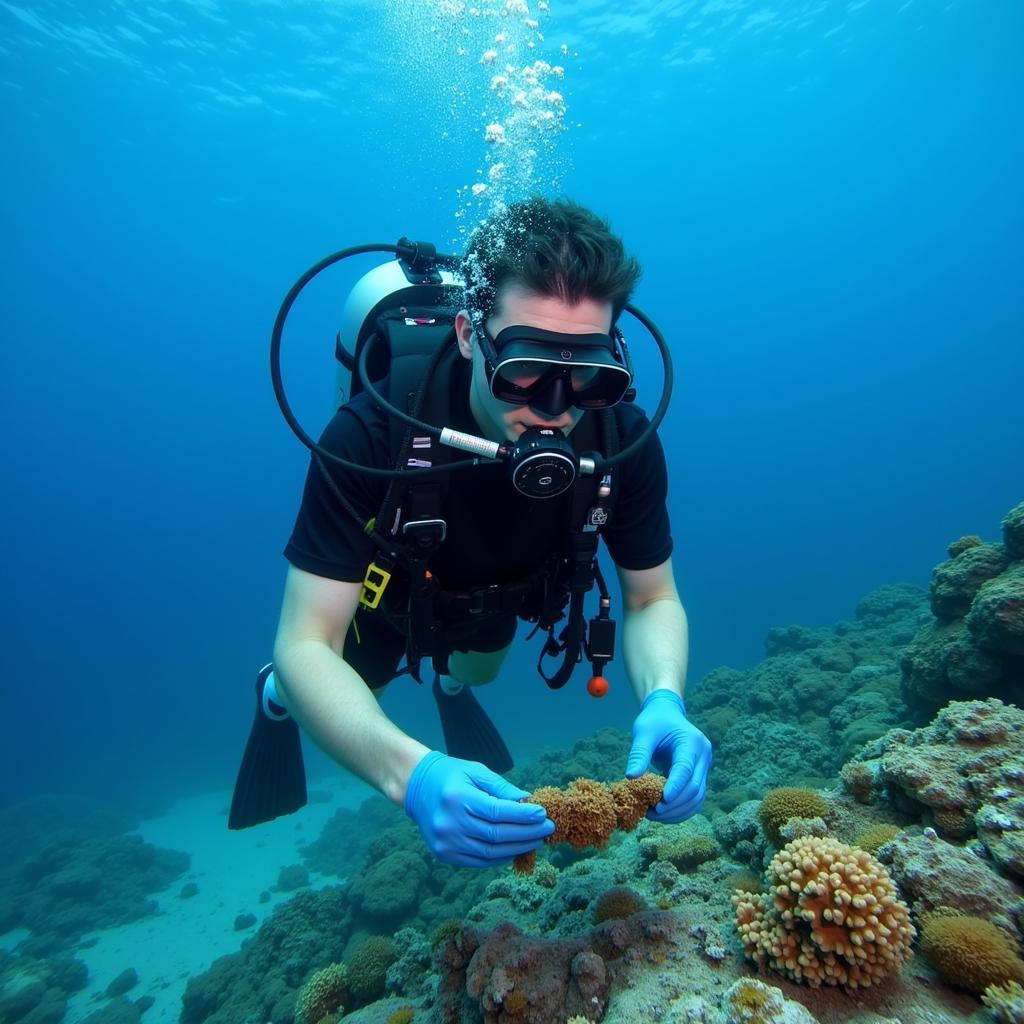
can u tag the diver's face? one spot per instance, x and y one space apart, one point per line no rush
502 421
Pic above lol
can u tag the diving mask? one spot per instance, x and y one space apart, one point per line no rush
551 371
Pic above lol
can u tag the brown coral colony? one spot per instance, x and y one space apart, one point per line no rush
587 813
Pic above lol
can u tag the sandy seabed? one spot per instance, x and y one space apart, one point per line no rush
231 870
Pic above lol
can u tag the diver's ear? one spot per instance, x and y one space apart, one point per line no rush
464 334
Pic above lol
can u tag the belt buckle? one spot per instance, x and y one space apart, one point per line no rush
487 600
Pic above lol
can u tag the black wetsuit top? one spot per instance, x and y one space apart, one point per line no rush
495 534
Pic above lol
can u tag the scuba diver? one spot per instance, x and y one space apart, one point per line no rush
426 545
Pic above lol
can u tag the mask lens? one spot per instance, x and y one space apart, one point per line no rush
522 373
597 387
519 381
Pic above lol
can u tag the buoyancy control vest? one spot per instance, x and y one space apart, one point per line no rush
414 352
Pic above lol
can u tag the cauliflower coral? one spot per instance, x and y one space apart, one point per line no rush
830 915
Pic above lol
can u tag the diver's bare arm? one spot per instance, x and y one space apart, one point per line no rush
326 696
655 635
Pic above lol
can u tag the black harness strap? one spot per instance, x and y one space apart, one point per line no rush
410 525
412 512
589 511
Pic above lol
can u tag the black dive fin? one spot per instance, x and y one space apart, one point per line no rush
468 732
272 777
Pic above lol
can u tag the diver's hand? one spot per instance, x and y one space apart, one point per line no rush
663 735
469 815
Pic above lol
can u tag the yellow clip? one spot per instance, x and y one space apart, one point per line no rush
374 585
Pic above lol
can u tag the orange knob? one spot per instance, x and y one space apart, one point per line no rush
598 686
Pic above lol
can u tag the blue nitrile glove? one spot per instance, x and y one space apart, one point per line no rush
663 736
469 815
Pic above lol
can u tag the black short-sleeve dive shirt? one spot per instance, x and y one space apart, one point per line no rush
494 533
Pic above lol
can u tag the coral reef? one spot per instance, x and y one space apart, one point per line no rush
587 812
871 839
71 886
970 952
368 967
975 646
37 990
750 1001
513 978
780 805
391 888
1006 1002
599 757
326 992
972 540
956 583
261 982
395 883
965 770
932 873
618 903
344 842
575 938
831 916
996 618
818 696
682 847
1013 532
409 974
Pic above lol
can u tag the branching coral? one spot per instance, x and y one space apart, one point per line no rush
586 813
831 916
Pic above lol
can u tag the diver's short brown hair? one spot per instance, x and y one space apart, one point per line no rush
549 247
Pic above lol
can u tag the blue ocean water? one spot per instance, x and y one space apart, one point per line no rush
826 200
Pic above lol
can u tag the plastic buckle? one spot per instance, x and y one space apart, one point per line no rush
374 584
486 601
426 535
